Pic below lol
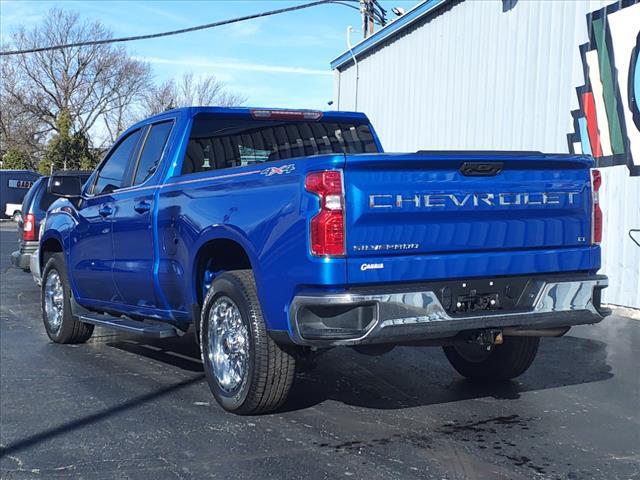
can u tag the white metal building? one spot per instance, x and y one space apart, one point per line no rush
554 76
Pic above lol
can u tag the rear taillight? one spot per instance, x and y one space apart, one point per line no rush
29 227
596 219
327 227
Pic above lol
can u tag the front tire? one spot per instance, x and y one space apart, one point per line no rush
60 324
247 372
501 362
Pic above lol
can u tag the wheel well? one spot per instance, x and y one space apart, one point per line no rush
218 256
48 248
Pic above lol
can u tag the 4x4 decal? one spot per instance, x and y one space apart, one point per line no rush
270 171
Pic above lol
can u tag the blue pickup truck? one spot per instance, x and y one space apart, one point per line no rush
275 235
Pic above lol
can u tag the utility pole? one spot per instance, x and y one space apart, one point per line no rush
367 11
372 13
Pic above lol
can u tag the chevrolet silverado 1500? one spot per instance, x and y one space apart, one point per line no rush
274 235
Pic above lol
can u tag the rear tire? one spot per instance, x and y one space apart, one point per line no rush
247 372
55 294
502 362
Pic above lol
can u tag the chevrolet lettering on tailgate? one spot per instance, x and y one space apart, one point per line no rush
434 200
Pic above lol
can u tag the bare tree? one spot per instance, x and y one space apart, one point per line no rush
159 98
95 84
189 90
20 130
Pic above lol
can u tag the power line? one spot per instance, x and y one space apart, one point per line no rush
177 32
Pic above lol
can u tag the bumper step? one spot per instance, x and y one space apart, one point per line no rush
151 330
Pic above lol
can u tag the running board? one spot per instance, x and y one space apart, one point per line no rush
151 330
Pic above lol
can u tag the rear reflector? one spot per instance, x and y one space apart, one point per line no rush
327 227
29 228
596 220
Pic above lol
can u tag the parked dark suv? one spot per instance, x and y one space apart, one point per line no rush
34 209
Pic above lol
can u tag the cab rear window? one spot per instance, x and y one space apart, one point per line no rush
216 143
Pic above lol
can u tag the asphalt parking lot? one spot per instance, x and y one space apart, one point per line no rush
119 407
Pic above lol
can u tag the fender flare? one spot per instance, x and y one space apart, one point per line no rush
59 223
52 235
222 232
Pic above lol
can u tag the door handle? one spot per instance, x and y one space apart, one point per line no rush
142 207
105 211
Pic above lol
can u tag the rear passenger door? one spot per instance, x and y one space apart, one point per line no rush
133 239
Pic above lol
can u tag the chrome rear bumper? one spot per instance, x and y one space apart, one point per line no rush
20 258
405 316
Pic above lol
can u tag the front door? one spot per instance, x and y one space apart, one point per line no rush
133 246
91 255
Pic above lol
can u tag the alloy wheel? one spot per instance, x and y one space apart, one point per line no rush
228 345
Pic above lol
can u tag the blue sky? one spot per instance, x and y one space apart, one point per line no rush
280 61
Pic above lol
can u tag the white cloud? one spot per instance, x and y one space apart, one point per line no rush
245 29
230 65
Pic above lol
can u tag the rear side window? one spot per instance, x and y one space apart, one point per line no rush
111 175
216 143
35 188
152 151
46 199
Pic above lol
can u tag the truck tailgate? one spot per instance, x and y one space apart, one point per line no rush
457 213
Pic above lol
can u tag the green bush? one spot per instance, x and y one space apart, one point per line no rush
66 151
16 159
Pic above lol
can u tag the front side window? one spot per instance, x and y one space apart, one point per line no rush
111 175
216 143
152 151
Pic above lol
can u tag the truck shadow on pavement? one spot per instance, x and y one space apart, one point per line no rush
407 376
412 377
181 352
404 378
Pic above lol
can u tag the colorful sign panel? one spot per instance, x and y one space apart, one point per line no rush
607 124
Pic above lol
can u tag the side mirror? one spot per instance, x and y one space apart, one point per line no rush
67 186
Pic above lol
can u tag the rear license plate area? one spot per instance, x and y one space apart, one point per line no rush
474 302
464 297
